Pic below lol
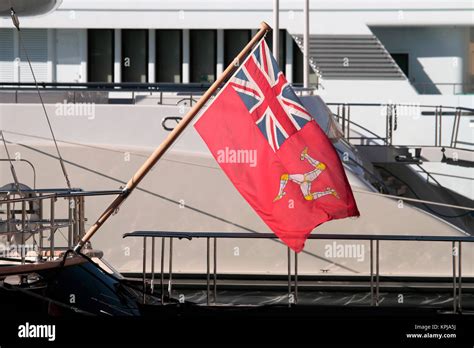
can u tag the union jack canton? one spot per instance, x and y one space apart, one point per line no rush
269 98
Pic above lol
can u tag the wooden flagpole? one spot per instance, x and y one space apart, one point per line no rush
174 134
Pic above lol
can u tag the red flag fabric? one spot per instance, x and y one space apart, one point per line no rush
274 152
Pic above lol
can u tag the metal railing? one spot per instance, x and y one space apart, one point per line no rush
392 111
41 216
33 169
98 92
434 87
374 276
106 86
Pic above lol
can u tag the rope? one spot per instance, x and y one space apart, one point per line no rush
61 161
414 200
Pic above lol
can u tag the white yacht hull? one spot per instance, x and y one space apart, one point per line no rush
188 192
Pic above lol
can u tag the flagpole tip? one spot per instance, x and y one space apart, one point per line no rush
264 25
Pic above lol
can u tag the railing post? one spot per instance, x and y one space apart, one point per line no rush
82 218
9 213
338 112
455 132
41 224
144 269
343 118
152 284
76 220
208 270
162 272
440 125
390 124
296 277
377 273
459 277
372 300
457 128
289 276
215 270
453 251
170 279
395 118
70 224
23 230
454 127
52 228
348 122
387 124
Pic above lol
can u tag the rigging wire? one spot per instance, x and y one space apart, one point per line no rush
16 23
414 200
12 167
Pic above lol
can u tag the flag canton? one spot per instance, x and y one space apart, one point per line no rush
271 101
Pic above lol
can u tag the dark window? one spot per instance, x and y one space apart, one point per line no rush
100 50
281 48
168 56
234 42
297 64
402 61
134 55
203 55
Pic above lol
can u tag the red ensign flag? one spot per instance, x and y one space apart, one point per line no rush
274 152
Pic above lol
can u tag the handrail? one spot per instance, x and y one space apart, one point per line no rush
292 296
377 137
61 193
33 220
164 87
403 104
29 163
109 86
256 235
433 86
47 190
121 86
391 121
